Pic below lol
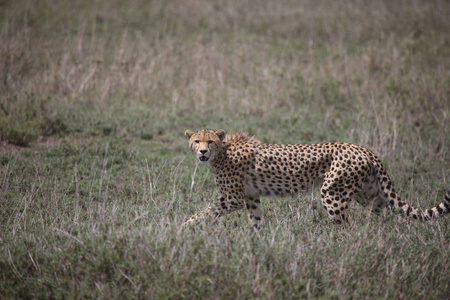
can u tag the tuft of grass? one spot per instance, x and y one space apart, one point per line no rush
25 118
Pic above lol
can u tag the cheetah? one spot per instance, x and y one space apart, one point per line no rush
246 169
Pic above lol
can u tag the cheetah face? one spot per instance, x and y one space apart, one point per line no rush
205 144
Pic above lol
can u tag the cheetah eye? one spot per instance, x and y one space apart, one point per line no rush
210 142
196 141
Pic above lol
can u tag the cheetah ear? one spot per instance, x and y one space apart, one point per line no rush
188 134
221 134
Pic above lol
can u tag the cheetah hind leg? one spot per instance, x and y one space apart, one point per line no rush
369 194
336 205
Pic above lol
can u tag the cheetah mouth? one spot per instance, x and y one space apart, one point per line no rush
203 158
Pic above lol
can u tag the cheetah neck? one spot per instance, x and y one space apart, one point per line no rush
217 161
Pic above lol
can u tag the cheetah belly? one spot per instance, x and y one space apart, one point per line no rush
278 184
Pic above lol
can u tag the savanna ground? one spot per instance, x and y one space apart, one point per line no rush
96 176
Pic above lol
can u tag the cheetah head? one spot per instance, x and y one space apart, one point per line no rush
205 144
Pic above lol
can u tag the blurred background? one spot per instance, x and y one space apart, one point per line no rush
372 72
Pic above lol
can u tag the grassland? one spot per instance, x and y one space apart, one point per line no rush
96 177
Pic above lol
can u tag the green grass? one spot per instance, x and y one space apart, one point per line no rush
96 177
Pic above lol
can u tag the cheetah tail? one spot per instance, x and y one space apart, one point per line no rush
390 195
439 210
425 215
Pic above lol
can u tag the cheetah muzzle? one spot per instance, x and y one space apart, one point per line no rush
203 158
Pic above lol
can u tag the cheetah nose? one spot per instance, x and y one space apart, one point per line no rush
203 151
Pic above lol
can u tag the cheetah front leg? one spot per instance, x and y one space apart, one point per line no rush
227 204
254 210
207 214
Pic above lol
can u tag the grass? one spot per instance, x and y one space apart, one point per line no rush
96 177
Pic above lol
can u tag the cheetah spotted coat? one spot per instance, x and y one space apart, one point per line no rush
246 169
